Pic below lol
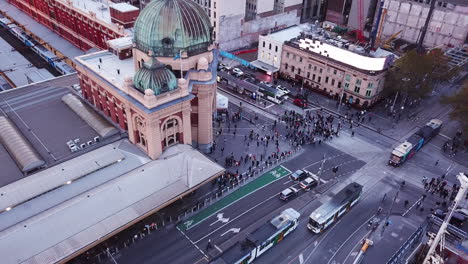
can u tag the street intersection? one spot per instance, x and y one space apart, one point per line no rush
361 156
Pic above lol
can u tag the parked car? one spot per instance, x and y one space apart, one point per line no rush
287 193
299 175
237 72
300 102
221 66
284 89
308 183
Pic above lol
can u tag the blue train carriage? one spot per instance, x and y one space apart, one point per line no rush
414 143
260 240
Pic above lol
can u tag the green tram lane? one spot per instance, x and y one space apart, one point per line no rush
262 181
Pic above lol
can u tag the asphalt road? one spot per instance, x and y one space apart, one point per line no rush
159 247
361 158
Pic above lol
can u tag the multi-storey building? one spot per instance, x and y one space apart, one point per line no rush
270 47
238 24
86 23
339 70
448 24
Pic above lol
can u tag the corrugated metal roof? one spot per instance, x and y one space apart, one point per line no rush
84 219
18 147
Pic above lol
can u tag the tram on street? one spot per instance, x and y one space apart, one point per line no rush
329 212
407 149
260 240
271 94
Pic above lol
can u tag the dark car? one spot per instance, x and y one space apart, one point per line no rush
308 183
287 193
299 175
300 102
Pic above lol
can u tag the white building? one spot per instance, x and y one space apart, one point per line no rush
239 23
270 47
448 25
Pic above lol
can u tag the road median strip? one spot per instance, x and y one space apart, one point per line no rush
271 176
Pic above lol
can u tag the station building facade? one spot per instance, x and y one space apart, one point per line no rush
141 92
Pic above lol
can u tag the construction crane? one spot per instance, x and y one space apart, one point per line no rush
420 47
443 228
387 43
378 24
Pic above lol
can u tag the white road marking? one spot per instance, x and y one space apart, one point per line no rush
233 230
220 251
301 258
203 253
220 219
209 234
346 241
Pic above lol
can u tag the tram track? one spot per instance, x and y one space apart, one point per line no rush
312 241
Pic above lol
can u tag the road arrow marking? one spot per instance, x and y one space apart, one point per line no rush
234 230
220 219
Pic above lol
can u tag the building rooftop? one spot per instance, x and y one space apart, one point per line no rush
124 7
29 109
286 34
75 215
110 67
353 56
59 43
101 9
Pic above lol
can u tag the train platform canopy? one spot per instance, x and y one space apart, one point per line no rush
75 215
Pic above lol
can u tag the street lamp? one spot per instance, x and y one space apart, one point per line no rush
405 79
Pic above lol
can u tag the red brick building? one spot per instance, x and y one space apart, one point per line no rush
85 23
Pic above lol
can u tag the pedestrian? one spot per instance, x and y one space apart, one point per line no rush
437 163
209 246
352 133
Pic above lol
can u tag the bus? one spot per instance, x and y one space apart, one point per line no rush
329 212
407 149
260 240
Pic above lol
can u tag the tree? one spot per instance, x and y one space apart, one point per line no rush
417 75
459 102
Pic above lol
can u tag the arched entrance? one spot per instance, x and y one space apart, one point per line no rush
171 131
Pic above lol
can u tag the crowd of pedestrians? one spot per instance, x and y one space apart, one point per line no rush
439 186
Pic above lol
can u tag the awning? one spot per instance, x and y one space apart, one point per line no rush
264 66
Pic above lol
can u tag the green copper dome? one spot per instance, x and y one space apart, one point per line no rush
154 76
167 26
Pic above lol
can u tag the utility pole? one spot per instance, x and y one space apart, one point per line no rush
389 212
460 195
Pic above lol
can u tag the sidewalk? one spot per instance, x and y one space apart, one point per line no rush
47 35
